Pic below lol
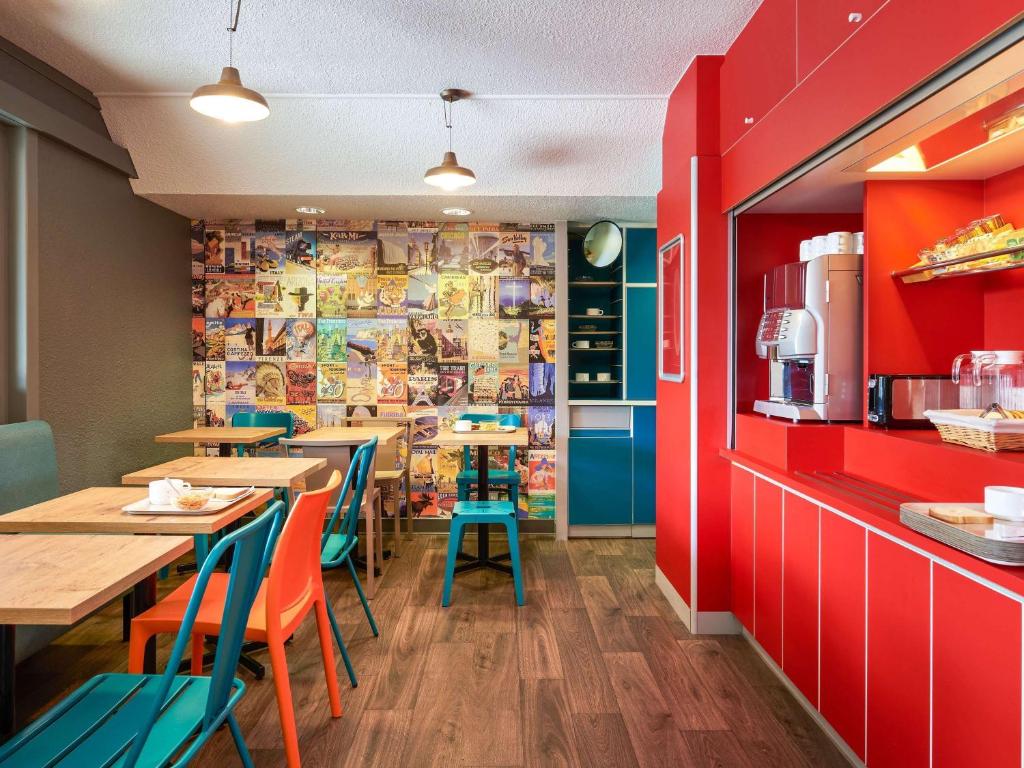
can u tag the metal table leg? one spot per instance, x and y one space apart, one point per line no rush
6 681
144 598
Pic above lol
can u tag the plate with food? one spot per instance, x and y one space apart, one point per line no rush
464 425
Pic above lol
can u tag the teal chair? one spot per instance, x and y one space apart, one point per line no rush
284 419
508 478
28 475
338 546
158 720
486 513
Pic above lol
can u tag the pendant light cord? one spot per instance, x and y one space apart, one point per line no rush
234 9
446 106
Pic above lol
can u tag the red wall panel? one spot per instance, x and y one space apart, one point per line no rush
822 26
1004 292
742 546
899 612
842 628
976 699
800 596
917 327
768 568
903 45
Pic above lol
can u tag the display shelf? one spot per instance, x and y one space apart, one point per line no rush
594 333
920 269
613 381
595 317
595 349
594 283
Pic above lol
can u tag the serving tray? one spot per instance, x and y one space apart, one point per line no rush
144 507
973 538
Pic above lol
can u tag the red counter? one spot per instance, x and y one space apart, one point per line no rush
902 644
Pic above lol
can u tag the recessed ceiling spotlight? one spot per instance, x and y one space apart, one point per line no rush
310 210
456 211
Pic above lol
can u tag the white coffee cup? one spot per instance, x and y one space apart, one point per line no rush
582 376
581 344
819 246
806 254
595 311
463 425
839 242
162 492
604 376
1004 501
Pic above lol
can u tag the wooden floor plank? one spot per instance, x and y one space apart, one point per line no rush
657 742
547 726
590 690
539 658
609 622
402 670
603 742
379 739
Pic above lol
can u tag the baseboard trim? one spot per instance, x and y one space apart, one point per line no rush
698 622
643 531
816 716
674 598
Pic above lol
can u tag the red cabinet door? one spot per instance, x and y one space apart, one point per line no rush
842 628
758 70
824 25
768 568
742 546
976 668
899 607
800 595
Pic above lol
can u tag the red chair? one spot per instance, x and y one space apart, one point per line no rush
293 587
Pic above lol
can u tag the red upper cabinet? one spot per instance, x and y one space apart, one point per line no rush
824 25
759 69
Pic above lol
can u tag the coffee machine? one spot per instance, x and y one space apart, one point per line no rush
810 333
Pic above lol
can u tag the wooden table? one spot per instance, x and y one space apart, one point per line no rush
481 440
225 436
98 510
62 578
230 470
336 446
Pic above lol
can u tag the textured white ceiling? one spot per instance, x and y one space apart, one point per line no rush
571 92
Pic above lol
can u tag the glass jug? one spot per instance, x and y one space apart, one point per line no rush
967 370
1003 379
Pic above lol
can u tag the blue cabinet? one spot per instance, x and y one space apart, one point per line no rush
643 464
600 477
641 343
641 255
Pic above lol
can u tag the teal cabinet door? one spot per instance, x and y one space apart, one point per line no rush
601 479
641 343
643 465
641 255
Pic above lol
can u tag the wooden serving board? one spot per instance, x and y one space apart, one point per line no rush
972 538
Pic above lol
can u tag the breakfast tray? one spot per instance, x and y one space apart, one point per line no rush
972 538
144 507
966 427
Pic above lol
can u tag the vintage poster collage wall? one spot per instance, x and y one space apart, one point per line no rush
329 319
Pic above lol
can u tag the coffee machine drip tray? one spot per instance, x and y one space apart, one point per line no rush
790 410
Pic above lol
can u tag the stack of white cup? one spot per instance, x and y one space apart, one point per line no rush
833 242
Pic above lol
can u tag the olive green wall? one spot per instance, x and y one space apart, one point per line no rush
114 348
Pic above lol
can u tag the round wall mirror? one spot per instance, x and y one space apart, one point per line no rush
602 245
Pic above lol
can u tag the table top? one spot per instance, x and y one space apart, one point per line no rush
346 435
269 472
98 510
243 435
61 578
446 437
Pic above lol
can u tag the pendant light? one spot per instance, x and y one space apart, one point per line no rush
449 175
228 99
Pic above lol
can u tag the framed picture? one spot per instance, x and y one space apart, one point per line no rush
671 310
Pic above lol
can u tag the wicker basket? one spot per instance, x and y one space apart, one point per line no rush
966 427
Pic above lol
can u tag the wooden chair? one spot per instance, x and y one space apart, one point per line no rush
157 720
293 588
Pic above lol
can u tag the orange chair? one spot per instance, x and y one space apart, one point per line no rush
293 587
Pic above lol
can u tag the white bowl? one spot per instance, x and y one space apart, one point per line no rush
1005 502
